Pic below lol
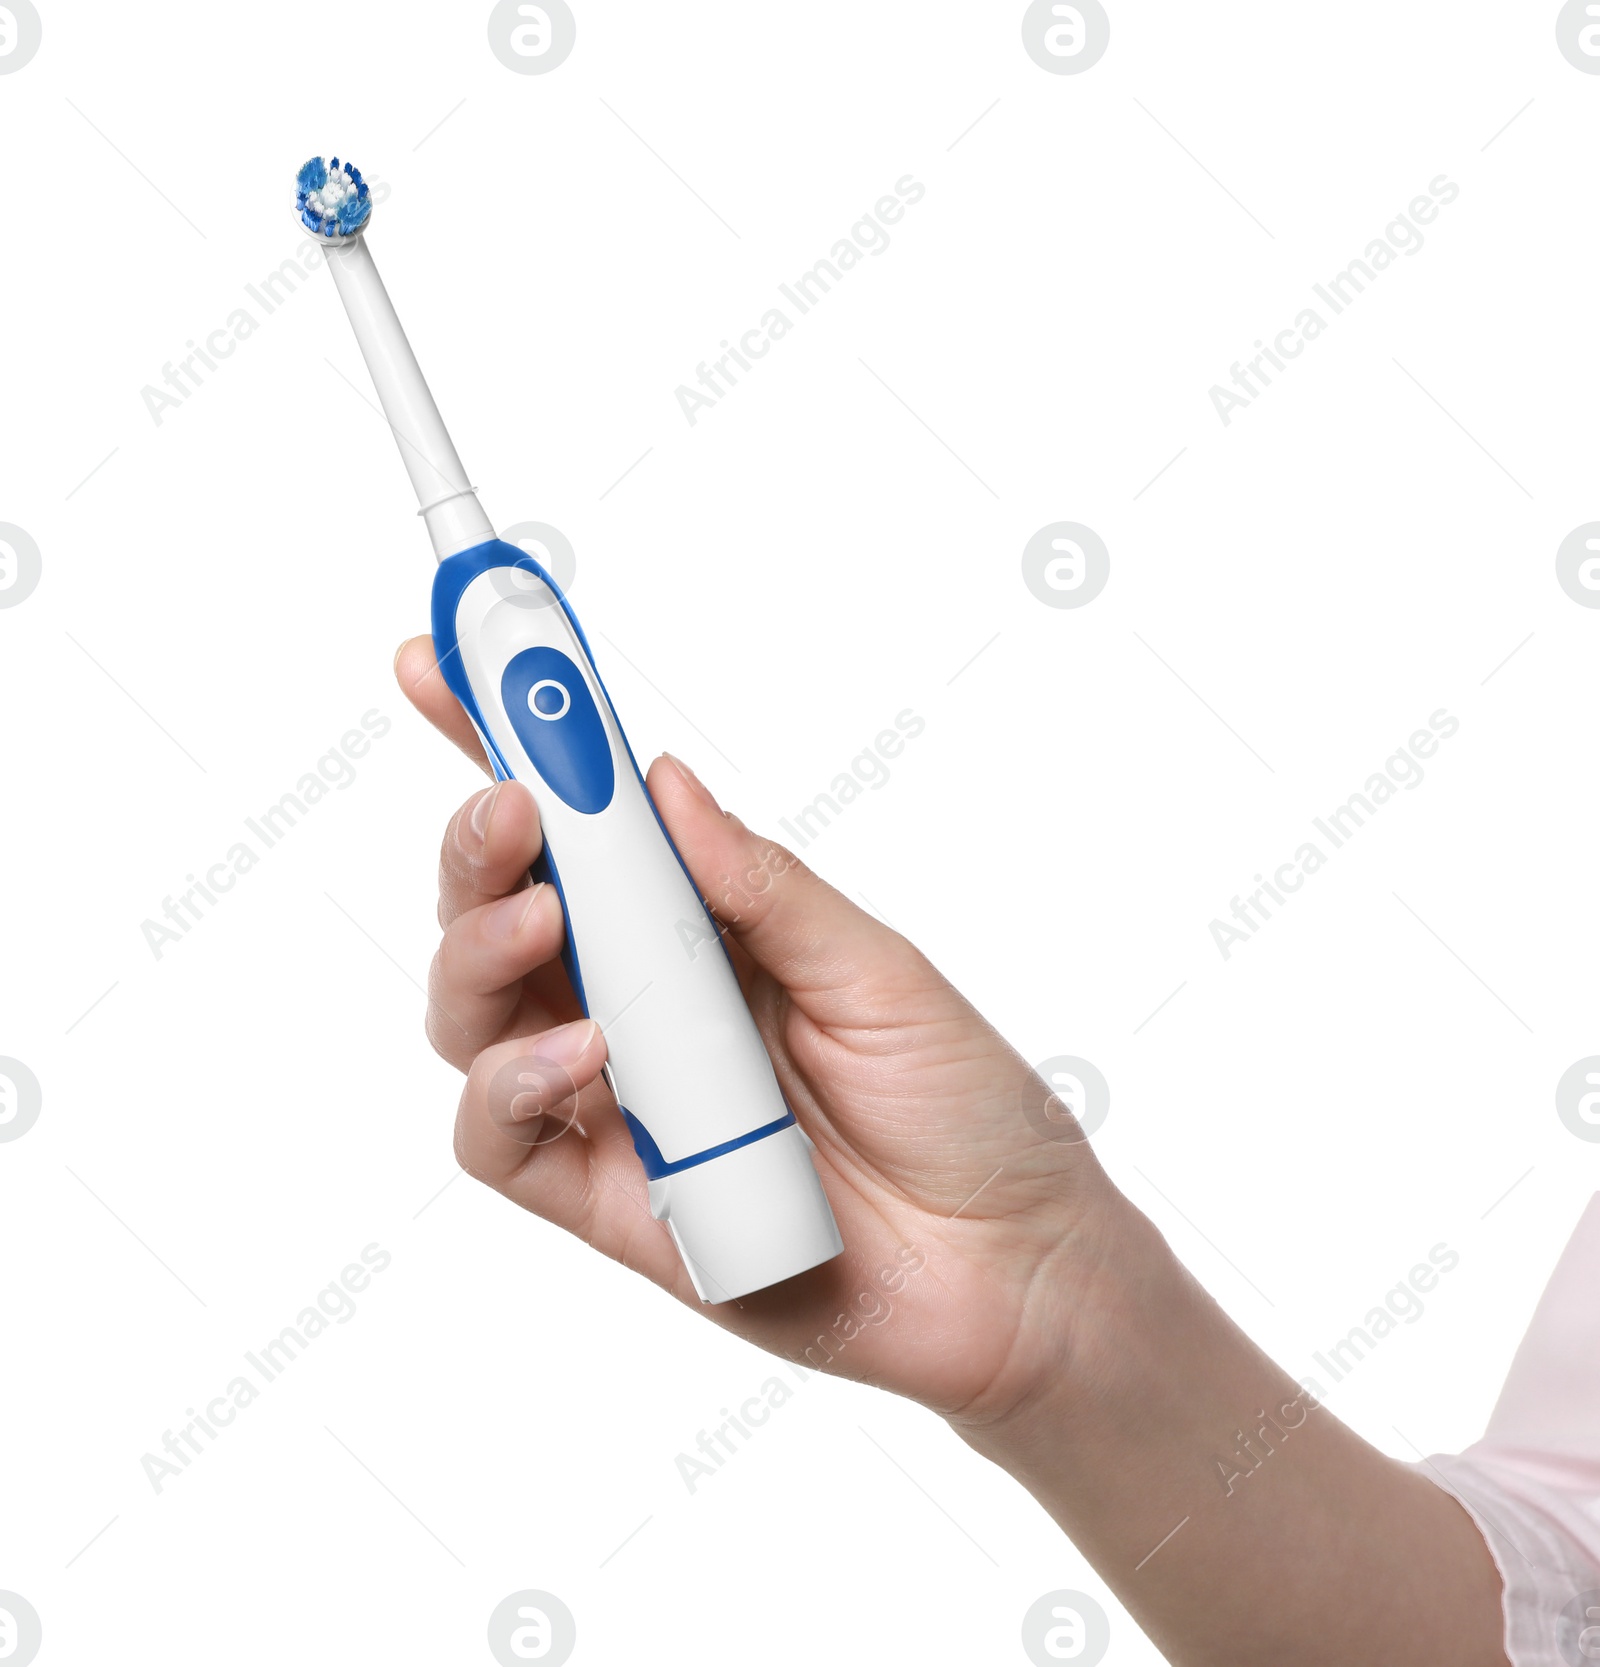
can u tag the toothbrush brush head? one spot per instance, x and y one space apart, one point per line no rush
332 198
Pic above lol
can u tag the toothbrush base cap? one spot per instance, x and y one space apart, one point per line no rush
750 1218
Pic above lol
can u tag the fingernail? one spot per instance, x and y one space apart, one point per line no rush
565 1045
693 780
510 914
482 811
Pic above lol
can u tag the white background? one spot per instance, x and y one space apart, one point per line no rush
221 597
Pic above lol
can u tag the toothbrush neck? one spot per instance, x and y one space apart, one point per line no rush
456 523
454 518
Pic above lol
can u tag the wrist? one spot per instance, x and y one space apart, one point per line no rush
1080 1328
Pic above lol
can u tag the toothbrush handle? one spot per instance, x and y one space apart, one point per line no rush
729 1169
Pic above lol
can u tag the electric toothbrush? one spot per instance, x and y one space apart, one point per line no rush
729 1168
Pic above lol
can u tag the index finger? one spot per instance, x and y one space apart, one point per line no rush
417 671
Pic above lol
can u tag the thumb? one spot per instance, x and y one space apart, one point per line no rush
795 926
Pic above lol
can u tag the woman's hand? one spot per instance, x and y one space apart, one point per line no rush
990 1269
965 1195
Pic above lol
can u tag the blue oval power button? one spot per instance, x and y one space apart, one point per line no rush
560 727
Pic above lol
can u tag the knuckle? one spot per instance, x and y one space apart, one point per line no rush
456 863
442 1037
746 890
475 1091
442 969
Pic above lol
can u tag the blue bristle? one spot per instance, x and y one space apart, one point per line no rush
361 190
353 212
353 171
313 175
309 220
333 164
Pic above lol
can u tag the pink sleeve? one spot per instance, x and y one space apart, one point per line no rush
1532 1484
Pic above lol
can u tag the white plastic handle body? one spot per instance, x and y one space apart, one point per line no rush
730 1170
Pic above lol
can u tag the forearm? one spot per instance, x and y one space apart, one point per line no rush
1237 1520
